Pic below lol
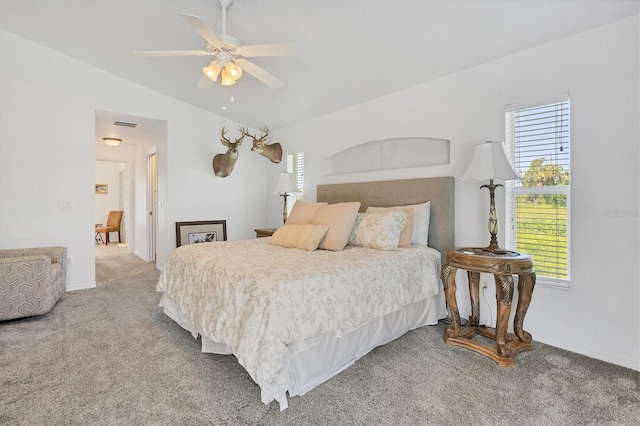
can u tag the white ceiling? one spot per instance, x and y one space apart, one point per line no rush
350 51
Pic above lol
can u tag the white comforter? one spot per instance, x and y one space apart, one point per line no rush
258 298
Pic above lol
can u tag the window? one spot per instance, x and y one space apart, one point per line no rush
538 206
295 165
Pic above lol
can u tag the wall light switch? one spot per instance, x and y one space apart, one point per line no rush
64 205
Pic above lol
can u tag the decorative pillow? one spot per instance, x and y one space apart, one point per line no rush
421 218
305 237
381 230
354 237
407 230
302 213
340 218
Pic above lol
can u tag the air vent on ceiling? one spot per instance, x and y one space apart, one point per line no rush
125 124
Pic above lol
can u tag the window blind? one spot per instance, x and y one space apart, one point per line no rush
538 206
295 165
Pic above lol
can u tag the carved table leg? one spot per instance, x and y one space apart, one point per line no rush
474 293
504 296
449 282
526 283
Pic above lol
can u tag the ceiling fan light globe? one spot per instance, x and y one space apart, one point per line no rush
225 77
212 71
236 72
210 74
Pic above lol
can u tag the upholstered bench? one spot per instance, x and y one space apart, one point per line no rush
31 280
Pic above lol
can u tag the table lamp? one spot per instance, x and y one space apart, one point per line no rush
490 162
285 187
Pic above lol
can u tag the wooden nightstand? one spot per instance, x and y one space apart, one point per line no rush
265 232
503 267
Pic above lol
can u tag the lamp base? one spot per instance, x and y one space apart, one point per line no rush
284 207
494 247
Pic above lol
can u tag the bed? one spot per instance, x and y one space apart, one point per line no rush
295 318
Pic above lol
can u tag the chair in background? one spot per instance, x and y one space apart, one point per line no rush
31 280
113 225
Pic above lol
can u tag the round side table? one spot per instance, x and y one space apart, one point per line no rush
503 266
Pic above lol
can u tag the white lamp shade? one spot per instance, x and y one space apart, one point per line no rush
286 185
489 162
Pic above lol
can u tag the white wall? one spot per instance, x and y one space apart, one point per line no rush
598 316
46 121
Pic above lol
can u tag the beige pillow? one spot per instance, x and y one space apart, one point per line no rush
302 213
305 237
340 218
421 218
407 230
381 230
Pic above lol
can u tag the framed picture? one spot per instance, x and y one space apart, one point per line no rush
102 188
203 231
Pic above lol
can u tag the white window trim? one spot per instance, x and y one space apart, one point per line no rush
542 281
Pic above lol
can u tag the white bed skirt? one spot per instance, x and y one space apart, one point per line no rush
316 360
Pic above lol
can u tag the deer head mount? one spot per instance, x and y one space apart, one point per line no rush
223 163
273 152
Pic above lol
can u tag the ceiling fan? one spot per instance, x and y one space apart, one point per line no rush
229 60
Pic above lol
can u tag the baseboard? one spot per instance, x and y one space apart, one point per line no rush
158 267
81 286
602 356
141 256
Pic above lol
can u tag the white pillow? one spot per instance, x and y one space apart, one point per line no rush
421 218
380 230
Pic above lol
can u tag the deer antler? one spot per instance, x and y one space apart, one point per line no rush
224 138
226 142
244 131
264 130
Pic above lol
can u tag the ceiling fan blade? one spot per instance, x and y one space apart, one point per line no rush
262 75
174 53
205 82
286 49
202 29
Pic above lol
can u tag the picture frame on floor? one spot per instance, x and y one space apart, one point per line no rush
203 231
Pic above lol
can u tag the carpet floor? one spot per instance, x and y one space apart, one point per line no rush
109 356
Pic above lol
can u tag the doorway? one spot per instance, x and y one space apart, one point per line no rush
113 179
143 148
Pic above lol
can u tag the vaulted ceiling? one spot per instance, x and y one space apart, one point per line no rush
350 51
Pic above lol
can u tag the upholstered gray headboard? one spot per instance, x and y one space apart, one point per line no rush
439 190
